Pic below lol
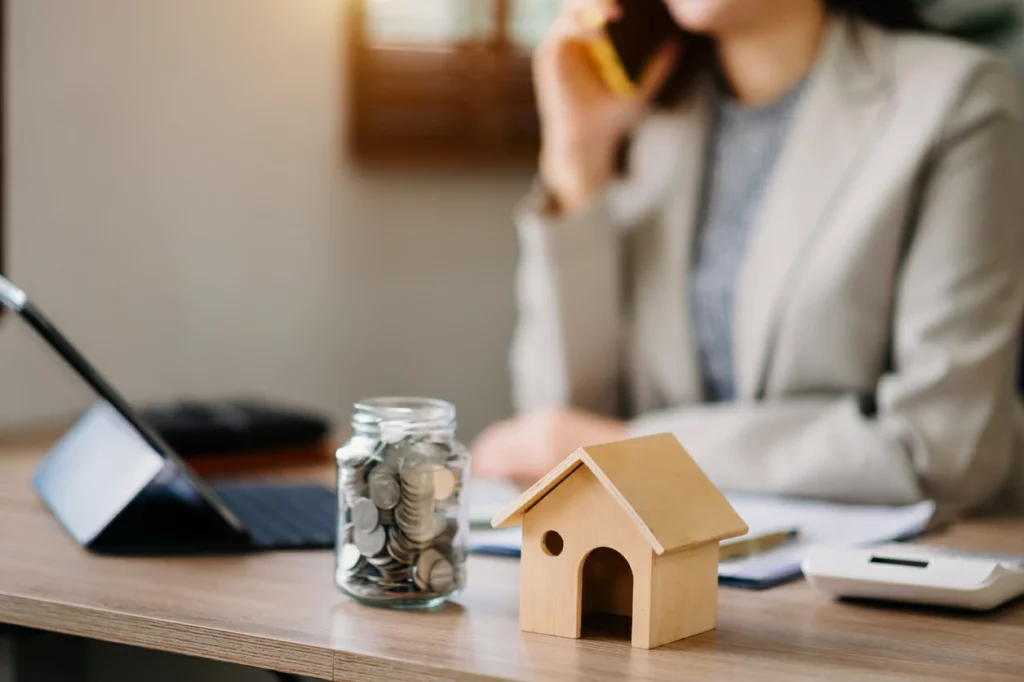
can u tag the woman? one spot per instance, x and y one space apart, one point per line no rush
809 271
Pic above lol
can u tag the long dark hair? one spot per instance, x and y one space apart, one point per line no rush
898 15
648 23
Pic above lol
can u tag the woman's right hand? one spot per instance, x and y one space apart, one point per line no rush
582 120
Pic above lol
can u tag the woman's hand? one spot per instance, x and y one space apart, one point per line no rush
525 448
582 120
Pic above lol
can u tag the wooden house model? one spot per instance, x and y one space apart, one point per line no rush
628 528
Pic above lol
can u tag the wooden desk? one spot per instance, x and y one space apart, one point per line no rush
281 611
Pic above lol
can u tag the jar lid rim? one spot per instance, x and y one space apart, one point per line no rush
392 409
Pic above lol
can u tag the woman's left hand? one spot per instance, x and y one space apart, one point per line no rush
524 449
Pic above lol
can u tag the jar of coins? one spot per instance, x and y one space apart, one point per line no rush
403 518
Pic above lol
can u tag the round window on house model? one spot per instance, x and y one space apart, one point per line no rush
552 543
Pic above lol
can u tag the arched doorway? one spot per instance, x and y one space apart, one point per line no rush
607 598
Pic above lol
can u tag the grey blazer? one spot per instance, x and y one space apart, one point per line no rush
878 314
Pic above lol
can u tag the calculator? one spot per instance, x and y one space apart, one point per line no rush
916 574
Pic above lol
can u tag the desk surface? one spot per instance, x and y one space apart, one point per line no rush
281 611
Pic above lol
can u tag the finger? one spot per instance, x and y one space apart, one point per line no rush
489 450
583 20
571 29
608 8
658 70
597 13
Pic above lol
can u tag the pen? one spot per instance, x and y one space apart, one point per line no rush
757 544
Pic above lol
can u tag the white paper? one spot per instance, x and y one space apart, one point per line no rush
487 497
818 523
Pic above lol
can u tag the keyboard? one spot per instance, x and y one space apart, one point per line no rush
283 516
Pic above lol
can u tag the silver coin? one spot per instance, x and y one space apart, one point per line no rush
370 543
406 519
350 557
442 576
395 573
429 450
399 548
425 530
418 481
386 517
364 514
362 588
426 561
385 491
421 580
395 453
353 492
381 560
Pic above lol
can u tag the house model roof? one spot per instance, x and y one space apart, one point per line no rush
653 478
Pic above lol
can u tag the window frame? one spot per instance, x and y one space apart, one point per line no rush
483 102
3 138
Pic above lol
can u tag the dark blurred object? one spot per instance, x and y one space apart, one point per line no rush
995 25
218 428
645 27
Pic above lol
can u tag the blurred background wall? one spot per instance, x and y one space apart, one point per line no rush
179 202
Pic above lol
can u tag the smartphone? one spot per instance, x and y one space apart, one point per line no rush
631 41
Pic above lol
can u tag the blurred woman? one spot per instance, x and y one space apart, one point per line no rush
809 269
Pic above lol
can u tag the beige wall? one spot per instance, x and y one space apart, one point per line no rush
179 203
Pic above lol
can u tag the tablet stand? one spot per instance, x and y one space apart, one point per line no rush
115 493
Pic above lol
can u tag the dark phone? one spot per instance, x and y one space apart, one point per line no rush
645 26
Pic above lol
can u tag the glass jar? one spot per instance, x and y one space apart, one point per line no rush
403 513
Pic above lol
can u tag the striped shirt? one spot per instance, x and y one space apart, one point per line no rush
744 145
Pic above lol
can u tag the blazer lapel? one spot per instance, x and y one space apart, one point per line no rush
841 115
675 346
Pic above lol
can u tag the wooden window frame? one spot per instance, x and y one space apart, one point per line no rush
468 106
3 136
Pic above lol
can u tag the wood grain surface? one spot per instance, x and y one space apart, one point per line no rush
281 611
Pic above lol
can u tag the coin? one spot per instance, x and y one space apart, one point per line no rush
444 484
442 576
356 461
421 580
403 502
364 514
383 559
427 561
418 528
428 450
370 543
415 513
352 485
440 522
394 573
419 480
447 536
397 452
385 490
350 557
362 588
397 547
